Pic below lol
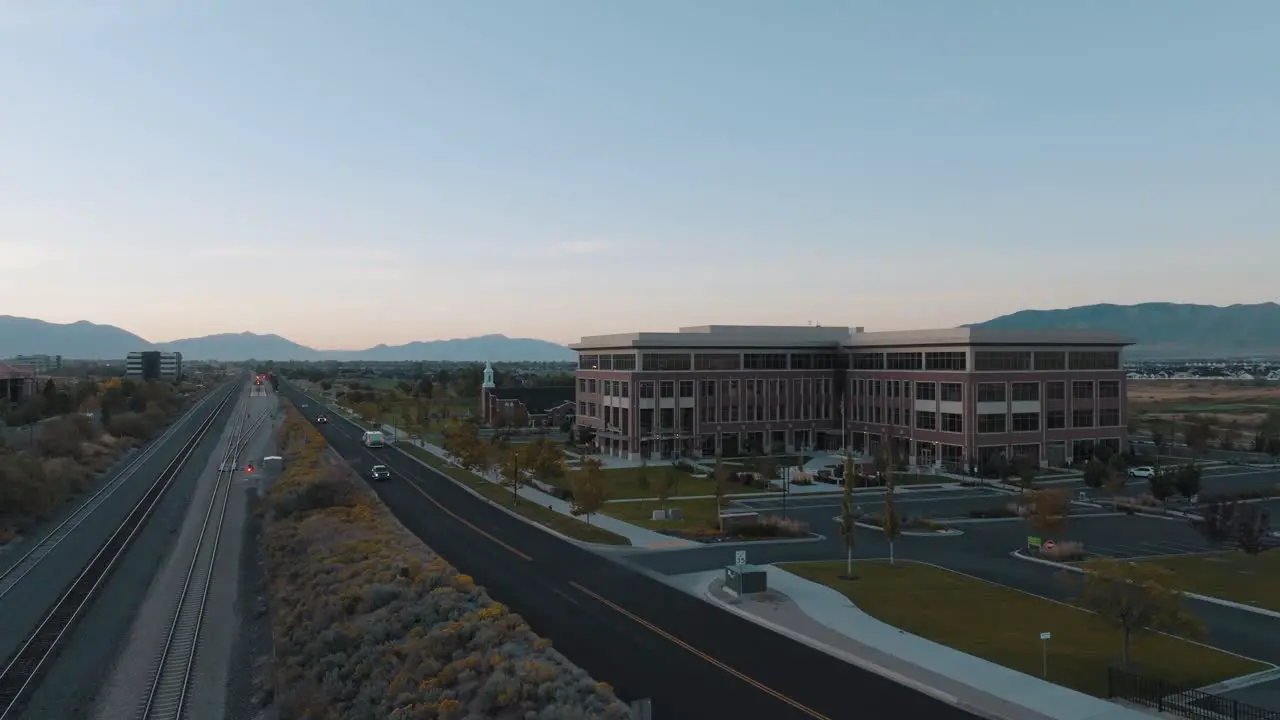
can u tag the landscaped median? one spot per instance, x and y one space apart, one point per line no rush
369 622
563 524
1003 625
700 521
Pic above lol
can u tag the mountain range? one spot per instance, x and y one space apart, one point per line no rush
1161 330
88 341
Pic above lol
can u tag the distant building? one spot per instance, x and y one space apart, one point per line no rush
17 383
153 365
41 363
959 398
542 406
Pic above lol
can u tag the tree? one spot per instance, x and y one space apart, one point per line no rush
721 478
1162 485
1187 480
513 466
1026 469
588 489
1216 521
847 517
519 416
767 468
546 460
1135 597
1117 471
662 490
1096 474
50 390
890 523
1253 525
1047 510
1197 435
880 461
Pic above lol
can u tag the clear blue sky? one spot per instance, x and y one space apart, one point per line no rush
346 173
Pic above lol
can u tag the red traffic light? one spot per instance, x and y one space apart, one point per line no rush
248 468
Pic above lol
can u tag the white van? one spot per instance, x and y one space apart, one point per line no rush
373 439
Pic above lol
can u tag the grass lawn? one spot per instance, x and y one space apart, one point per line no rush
696 514
563 524
1229 575
1003 625
625 483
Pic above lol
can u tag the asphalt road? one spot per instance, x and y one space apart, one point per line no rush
70 685
22 608
1225 478
646 638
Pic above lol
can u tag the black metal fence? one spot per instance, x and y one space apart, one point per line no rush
1165 697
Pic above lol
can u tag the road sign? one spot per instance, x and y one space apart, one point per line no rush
1048 545
740 557
1044 636
1032 541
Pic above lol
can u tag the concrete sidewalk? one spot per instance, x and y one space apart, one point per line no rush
823 618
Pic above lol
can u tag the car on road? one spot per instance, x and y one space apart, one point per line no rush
322 419
1142 471
380 473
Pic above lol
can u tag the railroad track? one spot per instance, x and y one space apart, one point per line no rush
167 696
22 672
15 573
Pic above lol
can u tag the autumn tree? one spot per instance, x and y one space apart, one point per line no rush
1135 597
891 523
513 464
519 416
1047 510
547 460
848 516
588 489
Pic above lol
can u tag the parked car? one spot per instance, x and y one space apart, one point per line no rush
380 473
1143 471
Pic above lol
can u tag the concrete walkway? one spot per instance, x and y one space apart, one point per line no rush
821 617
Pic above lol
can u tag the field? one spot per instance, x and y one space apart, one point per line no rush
1003 626
1237 408
1232 576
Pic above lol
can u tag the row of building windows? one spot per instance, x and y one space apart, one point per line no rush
946 392
983 361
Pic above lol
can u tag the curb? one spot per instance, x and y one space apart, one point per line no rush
948 532
1017 555
813 537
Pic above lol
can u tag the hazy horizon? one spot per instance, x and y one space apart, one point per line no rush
349 175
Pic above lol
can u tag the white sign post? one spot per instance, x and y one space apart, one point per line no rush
1044 651
740 557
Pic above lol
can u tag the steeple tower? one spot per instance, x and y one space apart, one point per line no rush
488 376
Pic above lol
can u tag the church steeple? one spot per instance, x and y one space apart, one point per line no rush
488 376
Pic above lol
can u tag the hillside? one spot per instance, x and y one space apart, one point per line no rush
88 341
1166 330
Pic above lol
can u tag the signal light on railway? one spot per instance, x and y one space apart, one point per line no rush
248 468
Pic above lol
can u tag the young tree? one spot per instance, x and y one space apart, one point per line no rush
1252 526
766 468
1117 472
880 461
721 480
1216 521
1096 474
1187 480
1162 485
1135 597
1026 469
672 476
662 490
1047 510
513 467
588 489
547 460
847 518
890 523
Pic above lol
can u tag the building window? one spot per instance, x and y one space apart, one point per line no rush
764 361
582 385
1082 390
876 414
991 423
926 420
717 361
952 422
1094 360
626 386
1108 388
1024 391
624 362
1055 391
606 362
608 387
951 392
991 392
686 388
664 362
591 386
903 361
582 408
1050 360
895 416
666 389
926 391
1001 360
945 361
646 390
588 362
868 361
1055 420
875 388
895 388
1025 422
801 361
1081 418
1109 417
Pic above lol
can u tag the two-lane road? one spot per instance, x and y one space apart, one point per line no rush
646 638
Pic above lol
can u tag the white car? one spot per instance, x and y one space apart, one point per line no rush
1142 472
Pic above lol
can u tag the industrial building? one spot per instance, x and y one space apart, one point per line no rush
956 397
153 365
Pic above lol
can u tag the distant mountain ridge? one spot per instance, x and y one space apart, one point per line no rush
1166 330
84 340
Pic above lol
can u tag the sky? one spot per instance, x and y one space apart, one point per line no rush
349 173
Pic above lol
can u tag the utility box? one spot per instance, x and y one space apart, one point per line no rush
745 579
273 463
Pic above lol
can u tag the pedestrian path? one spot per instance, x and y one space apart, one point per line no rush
819 616
639 537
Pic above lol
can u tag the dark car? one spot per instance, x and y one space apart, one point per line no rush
323 419
380 472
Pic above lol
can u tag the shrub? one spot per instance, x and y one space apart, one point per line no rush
1004 511
772 526
132 424
1067 551
370 623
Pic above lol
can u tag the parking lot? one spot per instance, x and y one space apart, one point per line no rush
928 503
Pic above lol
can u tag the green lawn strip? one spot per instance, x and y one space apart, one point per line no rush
696 514
622 483
1003 626
1235 576
559 522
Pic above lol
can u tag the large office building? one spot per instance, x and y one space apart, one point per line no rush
43 364
957 397
153 365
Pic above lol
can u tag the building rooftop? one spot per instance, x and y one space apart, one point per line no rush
819 337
